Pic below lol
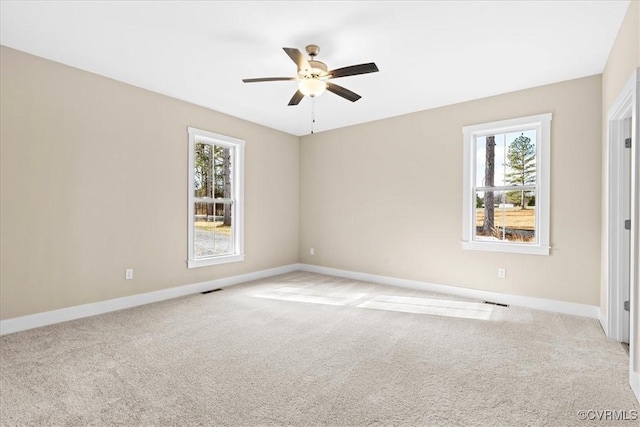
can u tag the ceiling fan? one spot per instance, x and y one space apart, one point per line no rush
313 75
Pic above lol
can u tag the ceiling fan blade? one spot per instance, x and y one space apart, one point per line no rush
268 79
296 98
353 70
345 93
298 58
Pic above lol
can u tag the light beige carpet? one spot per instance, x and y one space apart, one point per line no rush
306 349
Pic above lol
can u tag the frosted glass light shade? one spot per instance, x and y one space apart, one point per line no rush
312 87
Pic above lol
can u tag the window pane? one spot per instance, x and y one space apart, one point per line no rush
203 178
520 158
487 215
222 172
505 221
213 231
224 229
490 160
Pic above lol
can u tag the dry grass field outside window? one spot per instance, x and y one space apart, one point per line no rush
522 219
513 224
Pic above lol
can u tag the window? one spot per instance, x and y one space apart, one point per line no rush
215 198
506 185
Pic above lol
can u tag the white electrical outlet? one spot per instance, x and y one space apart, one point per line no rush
128 274
312 251
502 273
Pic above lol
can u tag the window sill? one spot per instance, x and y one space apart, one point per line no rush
513 248
204 262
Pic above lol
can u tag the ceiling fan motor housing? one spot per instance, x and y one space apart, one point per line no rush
318 69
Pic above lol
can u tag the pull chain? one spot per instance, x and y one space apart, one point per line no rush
313 113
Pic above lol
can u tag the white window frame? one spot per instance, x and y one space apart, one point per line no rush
203 136
542 124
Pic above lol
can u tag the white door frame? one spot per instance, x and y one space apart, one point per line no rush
620 177
625 107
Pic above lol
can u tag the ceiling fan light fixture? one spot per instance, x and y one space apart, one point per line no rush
312 86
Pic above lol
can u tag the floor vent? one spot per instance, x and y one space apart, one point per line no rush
212 290
496 303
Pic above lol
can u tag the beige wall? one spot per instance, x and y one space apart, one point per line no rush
623 59
94 180
386 197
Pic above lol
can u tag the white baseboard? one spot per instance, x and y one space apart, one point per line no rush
602 318
634 382
590 311
23 323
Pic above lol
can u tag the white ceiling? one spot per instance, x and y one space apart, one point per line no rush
429 53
